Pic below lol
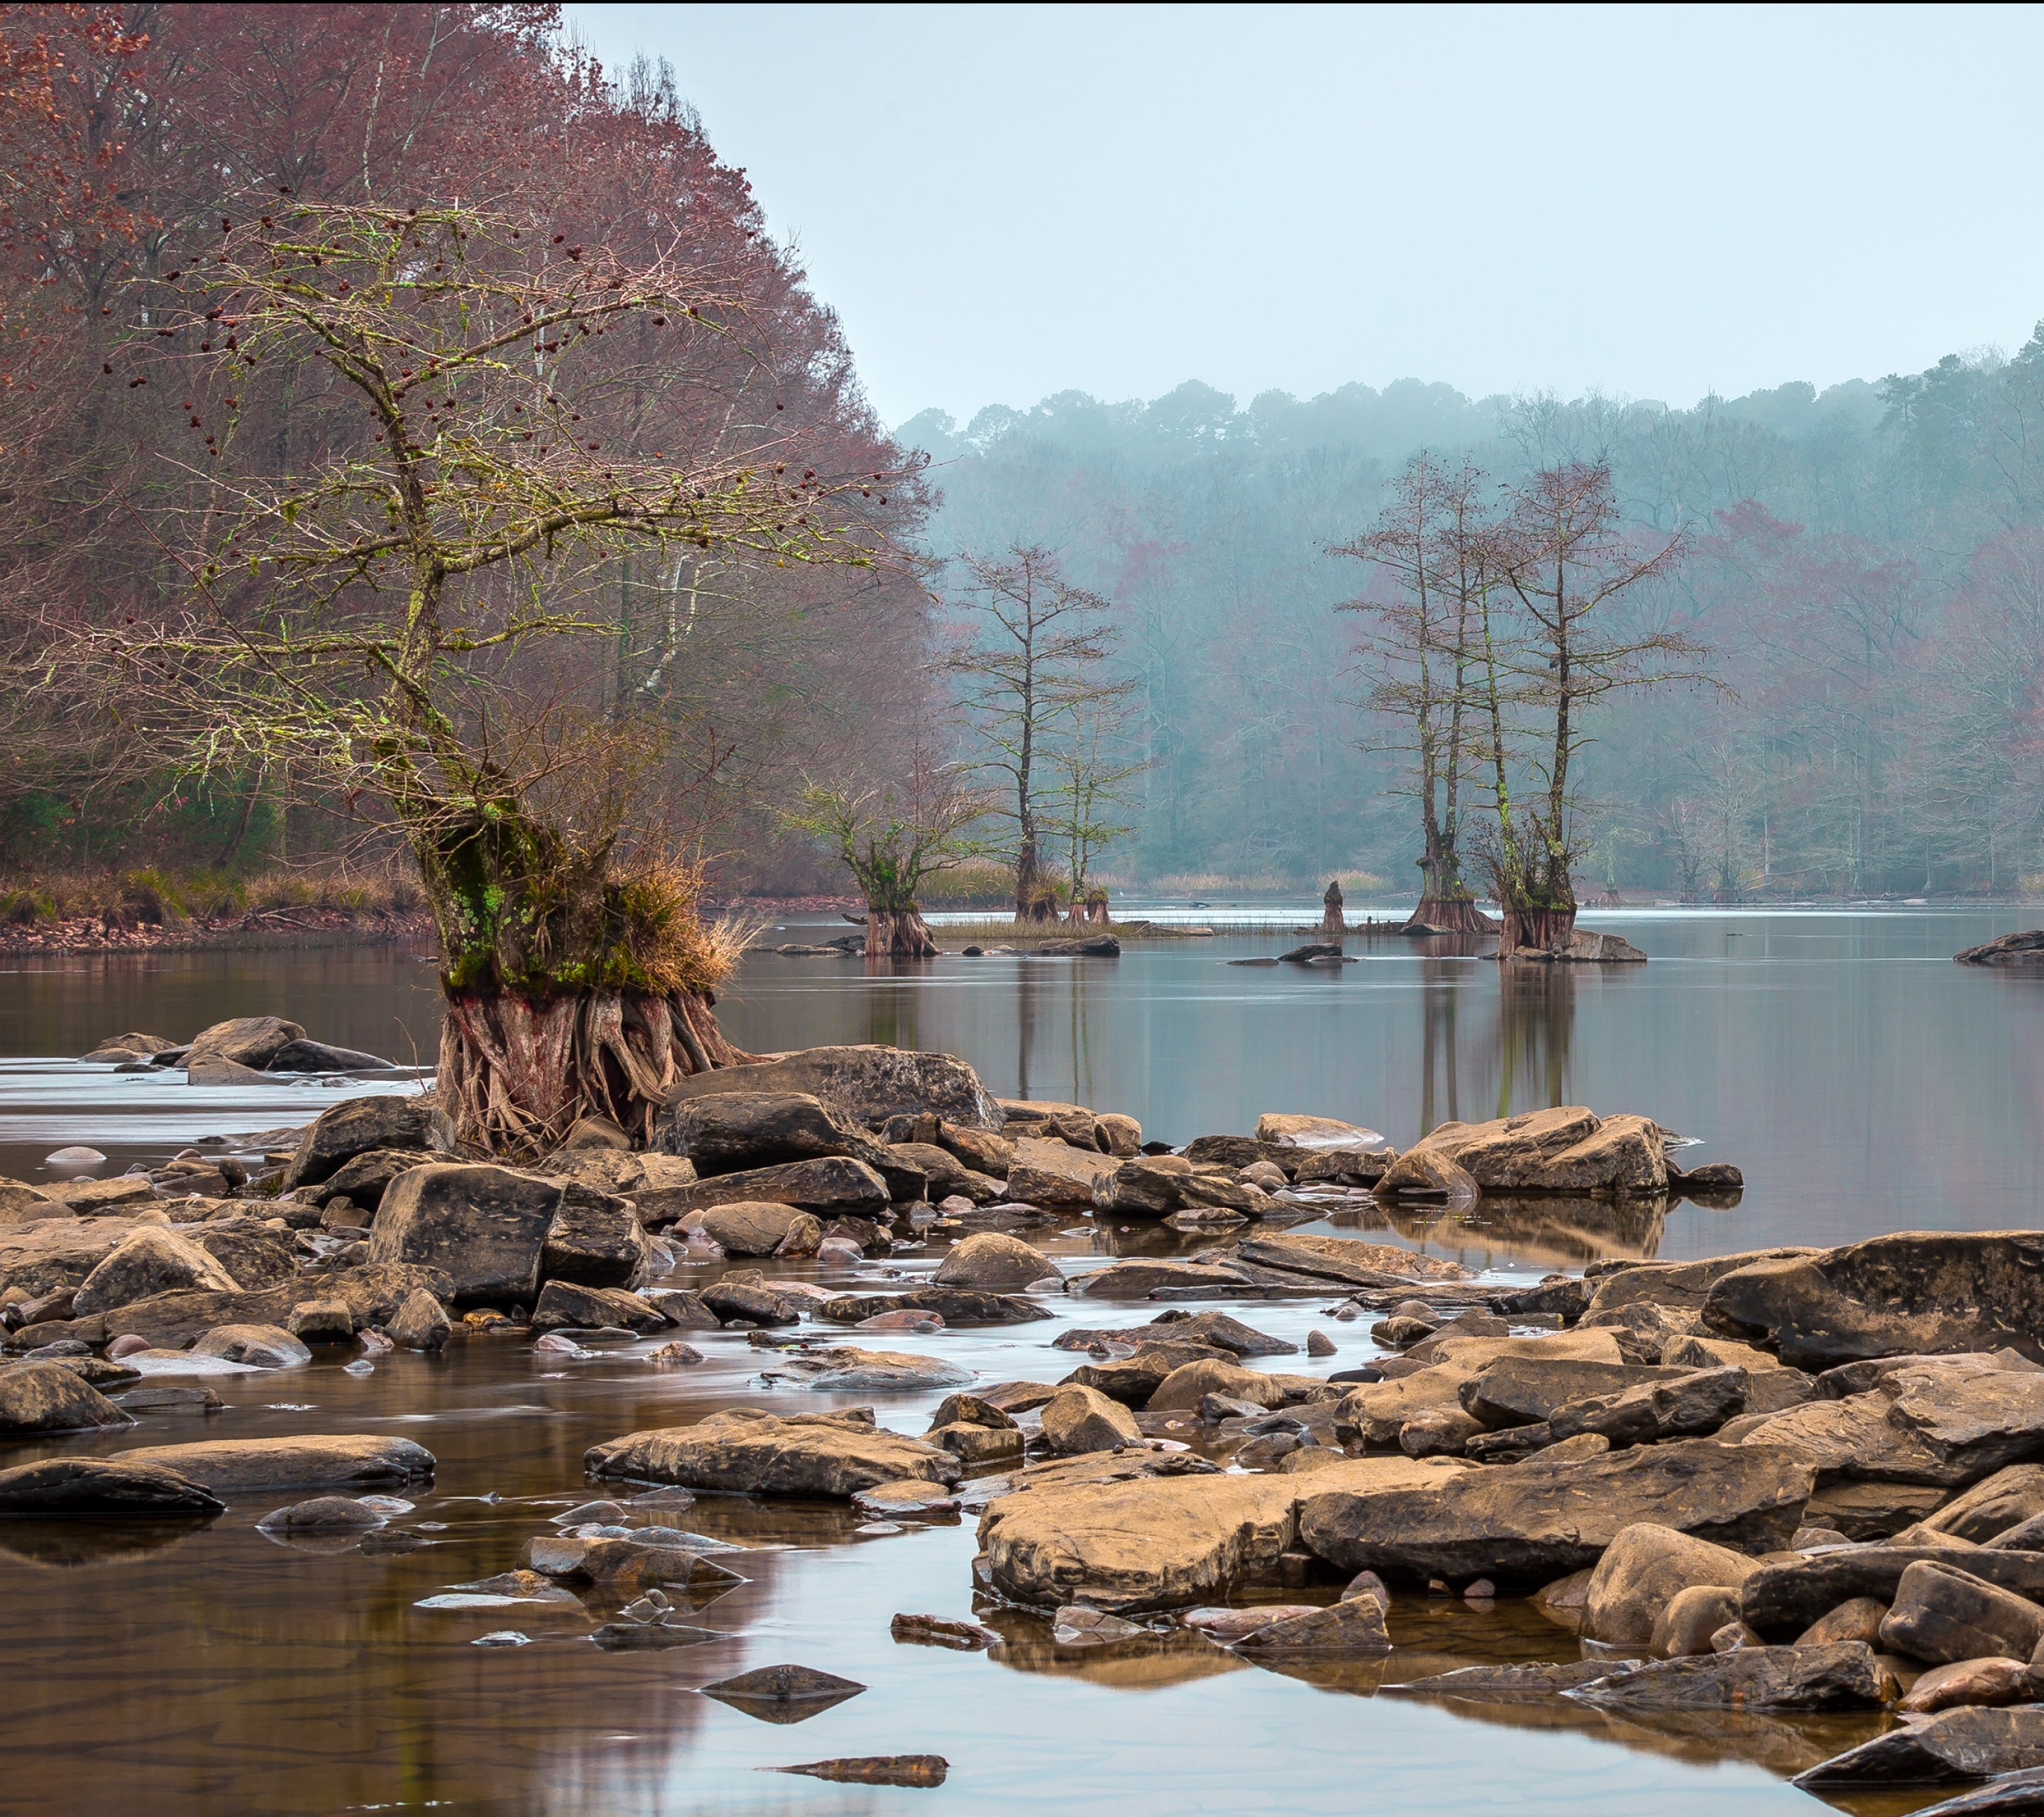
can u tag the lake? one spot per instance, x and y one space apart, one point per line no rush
1862 1081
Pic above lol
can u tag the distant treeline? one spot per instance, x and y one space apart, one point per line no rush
1867 565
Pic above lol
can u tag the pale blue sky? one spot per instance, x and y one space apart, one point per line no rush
1005 203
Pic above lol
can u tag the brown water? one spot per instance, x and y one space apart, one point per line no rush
1864 1083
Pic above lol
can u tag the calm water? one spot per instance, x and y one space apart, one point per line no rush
1863 1082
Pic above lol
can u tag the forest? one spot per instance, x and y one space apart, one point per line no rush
1858 574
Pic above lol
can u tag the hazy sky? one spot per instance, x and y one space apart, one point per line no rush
1003 203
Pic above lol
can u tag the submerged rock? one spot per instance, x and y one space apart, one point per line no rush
1346 1629
262 1347
324 1514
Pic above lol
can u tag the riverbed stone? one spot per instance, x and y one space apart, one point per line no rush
1055 1175
1686 1624
1537 1521
360 1126
485 1226
126 1485
1859 1618
754 1302
262 1347
1524 1387
1843 1677
230 1466
1645 1567
420 1324
1942 1613
1993 1506
1924 1291
1144 1186
954 1305
837 1187
993 1261
1426 1172
252 1041
1078 1418
1346 1259
1986 1684
254 1256
845 1368
1184 1388
1568 1149
737 1131
1137 1278
832 1455
1689 1406
47 1397
371 1293
147 1261
563 1306
595 1240
1784 1597
1943 1749
1351 1629
325 1513
870 1083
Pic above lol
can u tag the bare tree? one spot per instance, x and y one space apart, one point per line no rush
1031 642
1091 786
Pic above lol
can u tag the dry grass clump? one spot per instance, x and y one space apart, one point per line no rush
656 923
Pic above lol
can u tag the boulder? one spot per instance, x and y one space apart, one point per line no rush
943 1174
750 1228
363 1178
1523 1387
483 1226
211 1069
149 1260
1857 1619
1538 1520
1426 1173
419 1324
1780 1601
1680 1286
1685 1624
954 1305
120 1196
2003 1501
1220 1330
1286 1130
1570 1150
839 1187
320 1322
47 1397
1641 1571
734 1131
1688 1406
752 1301
305 1056
21 1204
1137 1278
1923 1292
1942 1613
1143 1186
1986 1683
564 1306
1055 1174
252 1041
131 1047
325 1513
1133 1380
260 1346
832 1455
1352 1628
992 1261
1844 1677
229 1466
1347 1259
1078 1418
361 1126
122 1485
1184 1388
1943 1749
869 1084
979 1151
254 1257
595 1240
1124 1538
2024 949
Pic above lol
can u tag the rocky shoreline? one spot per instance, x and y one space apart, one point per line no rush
1786 1480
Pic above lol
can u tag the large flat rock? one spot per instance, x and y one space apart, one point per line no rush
831 1455
1147 1541
1539 1520
1919 1291
1942 1425
102 1486
871 1083
226 1466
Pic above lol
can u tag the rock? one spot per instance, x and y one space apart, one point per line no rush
1570 1150
1780 1601
1943 1750
2023 949
834 1188
1942 1613
1985 1683
2004 1500
1538 1520
320 1322
973 1444
483 1226
1184 1388
1685 1627
734 1131
1563 1601
912 1497
918 1770
371 1294
263 1347
359 1126
751 1227
130 1046
1055 1174
845 1368
254 1257
2008 1794
1144 1186
147 1261
1320 1344
951 1306
304 1056
1521 1388
944 1175
48 1398
1688 1406
784 1693
1284 1130
1134 1380
563 1307
1844 1677
993 1261
1228 1626
1222 1330
420 1323
229 1466
252 1041
1940 1427
324 1514
870 1083
170 1401
1346 1259
1348 1629
363 1179
595 1240
753 1301
120 1486
1859 1619
211 1069
1137 1279
970 1410
1426 1173
833 1455
1078 1418
1120 1538
1510 1683
1641 1571
1923 1292
1870 1510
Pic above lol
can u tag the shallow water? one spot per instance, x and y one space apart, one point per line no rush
1863 1082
